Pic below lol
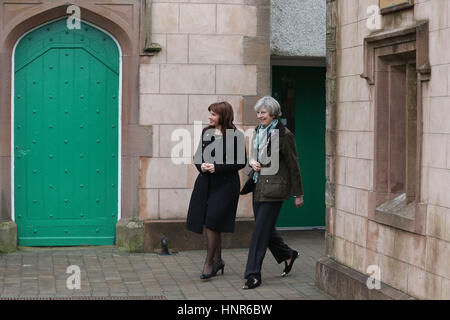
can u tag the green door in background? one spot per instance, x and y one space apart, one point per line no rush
66 113
301 93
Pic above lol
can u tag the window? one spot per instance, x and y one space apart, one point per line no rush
397 64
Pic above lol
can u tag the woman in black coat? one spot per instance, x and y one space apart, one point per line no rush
219 157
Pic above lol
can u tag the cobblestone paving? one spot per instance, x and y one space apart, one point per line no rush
105 271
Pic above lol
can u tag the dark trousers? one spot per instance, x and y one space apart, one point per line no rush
265 236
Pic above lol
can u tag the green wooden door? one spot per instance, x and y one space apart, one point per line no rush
301 93
66 94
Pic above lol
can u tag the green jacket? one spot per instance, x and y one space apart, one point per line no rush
280 184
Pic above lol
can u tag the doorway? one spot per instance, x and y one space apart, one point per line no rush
66 136
301 94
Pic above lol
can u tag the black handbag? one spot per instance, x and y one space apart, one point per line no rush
249 186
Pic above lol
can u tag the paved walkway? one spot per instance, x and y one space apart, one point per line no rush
105 271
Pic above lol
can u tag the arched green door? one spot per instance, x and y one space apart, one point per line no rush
66 122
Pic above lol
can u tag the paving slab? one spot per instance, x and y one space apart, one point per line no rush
35 272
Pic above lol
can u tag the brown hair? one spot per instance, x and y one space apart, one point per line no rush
226 116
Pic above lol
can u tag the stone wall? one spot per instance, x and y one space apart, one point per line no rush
122 19
212 50
414 263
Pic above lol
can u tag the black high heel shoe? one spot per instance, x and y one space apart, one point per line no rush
252 282
288 267
206 276
221 266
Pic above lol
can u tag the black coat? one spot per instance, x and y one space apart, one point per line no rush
215 196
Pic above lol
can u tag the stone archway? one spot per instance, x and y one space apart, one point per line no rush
123 22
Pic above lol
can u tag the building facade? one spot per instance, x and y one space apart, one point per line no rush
93 117
147 70
130 75
387 150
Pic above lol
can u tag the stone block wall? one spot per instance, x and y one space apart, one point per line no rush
212 50
417 264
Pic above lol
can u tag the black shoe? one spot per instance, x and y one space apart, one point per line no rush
221 266
206 276
252 282
288 267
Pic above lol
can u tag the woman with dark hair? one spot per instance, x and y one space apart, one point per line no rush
219 157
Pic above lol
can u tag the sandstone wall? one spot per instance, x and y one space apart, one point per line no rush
416 264
212 50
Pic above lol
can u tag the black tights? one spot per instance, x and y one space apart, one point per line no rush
213 250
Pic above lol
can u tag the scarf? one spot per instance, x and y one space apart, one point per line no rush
261 141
